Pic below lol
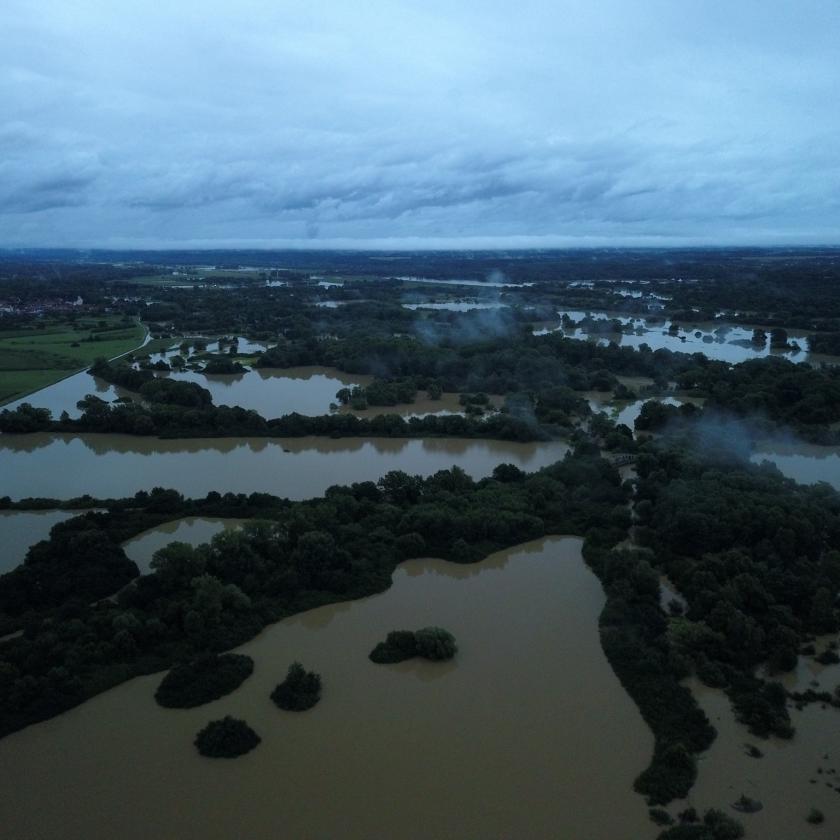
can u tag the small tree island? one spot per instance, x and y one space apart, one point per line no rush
433 643
226 738
300 691
204 679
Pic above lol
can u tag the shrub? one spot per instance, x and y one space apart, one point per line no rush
226 738
202 680
300 691
398 646
435 643
815 817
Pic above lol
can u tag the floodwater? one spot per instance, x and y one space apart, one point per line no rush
448 404
114 466
527 733
20 529
627 412
490 284
63 395
193 530
720 341
455 306
804 462
273 392
782 779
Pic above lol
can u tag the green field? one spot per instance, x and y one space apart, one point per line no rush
32 358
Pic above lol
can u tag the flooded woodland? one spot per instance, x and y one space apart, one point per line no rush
527 733
415 750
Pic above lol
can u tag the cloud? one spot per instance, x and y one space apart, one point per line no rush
554 122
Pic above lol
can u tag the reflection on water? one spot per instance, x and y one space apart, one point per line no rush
63 396
806 463
19 529
275 392
626 413
111 466
192 530
527 734
272 392
719 341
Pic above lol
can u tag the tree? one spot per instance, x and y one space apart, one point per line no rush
226 738
300 691
435 643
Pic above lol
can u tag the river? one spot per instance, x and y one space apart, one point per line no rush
526 734
111 466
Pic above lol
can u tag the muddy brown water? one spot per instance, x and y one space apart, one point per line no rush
62 466
787 780
526 734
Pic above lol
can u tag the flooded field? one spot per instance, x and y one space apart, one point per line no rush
62 466
791 778
719 341
526 734
272 392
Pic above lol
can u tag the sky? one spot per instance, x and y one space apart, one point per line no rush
396 124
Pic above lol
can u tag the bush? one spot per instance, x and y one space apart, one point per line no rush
226 738
202 680
669 776
300 691
815 817
433 643
398 646
715 826
660 817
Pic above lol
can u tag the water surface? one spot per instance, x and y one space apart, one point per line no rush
114 466
782 779
20 529
193 530
526 734
806 463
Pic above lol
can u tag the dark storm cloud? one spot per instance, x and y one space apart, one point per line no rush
273 123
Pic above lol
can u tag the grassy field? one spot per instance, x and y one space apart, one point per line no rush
35 357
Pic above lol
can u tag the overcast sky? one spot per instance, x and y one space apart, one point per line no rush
392 123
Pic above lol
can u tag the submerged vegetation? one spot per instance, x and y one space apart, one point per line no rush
226 738
299 555
432 643
300 691
754 557
204 679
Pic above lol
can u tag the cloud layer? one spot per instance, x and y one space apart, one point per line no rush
559 122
